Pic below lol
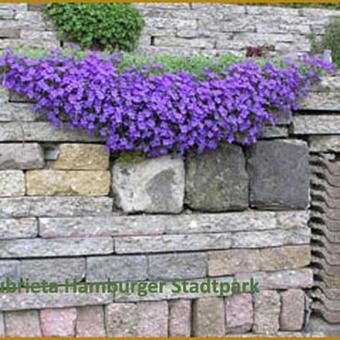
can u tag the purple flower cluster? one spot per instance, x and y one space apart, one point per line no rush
160 112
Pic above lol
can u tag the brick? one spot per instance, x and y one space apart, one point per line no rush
180 318
55 247
12 183
117 268
239 313
22 324
81 157
18 228
10 269
58 322
233 261
292 310
267 312
67 183
208 317
90 322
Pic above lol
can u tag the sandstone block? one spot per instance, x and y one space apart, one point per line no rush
90 322
180 318
22 324
292 310
12 183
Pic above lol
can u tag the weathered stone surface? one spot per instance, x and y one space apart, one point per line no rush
233 261
12 183
10 269
22 324
239 313
21 156
2 325
325 143
292 310
177 266
169 243
53 270
90 322
208 317
67 183
117 268
217 180
152 319
275 132
279 174
58 322
149 185
18 228
81 157
54 206
321 101
316 124
290 257
180 318
55 247
292 219
15 112
266 312
121 319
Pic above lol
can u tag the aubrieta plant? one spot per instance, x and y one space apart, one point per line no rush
151 109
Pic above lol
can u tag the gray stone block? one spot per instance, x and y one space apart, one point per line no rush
279 174
217 180
18 228
10 269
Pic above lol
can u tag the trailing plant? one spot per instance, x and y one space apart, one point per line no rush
150 109
108 26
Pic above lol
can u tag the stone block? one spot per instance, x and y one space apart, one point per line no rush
22 324
12 183
2 325
279 174
18 228
67 183
217 180
180 318
316 124
90 322
292 310
10 269
324 143
149 185
19 112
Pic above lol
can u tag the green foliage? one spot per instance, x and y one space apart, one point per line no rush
109 26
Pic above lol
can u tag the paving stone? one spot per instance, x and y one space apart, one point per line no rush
12 183
23 324
180 318
292 310
279 174
148 185
18 228
10 269
208 317
90 322
58 322
217 180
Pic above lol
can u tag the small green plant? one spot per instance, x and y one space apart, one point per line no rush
111 26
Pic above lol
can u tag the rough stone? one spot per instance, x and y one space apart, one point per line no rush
121 319
318 101
22 248
10 269
325 143
292 219
152 319
12 183
180 318
2 325
208 317
177 266
217 180
81 157
22 324
290 257
316 124
15 112
239 313
58 322
21 156
90 322
18 228
266 312
149 185
67 183
117 268
170 243
54 206
53 270
279 174
233 261
292 310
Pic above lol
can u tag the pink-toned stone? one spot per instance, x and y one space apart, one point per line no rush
180 318
22 324
90 322
292 310
239 313
2 325
152 319
208 317
58 322
266 312
121 319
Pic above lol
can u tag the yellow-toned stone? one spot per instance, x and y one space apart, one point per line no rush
67 183
81 157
